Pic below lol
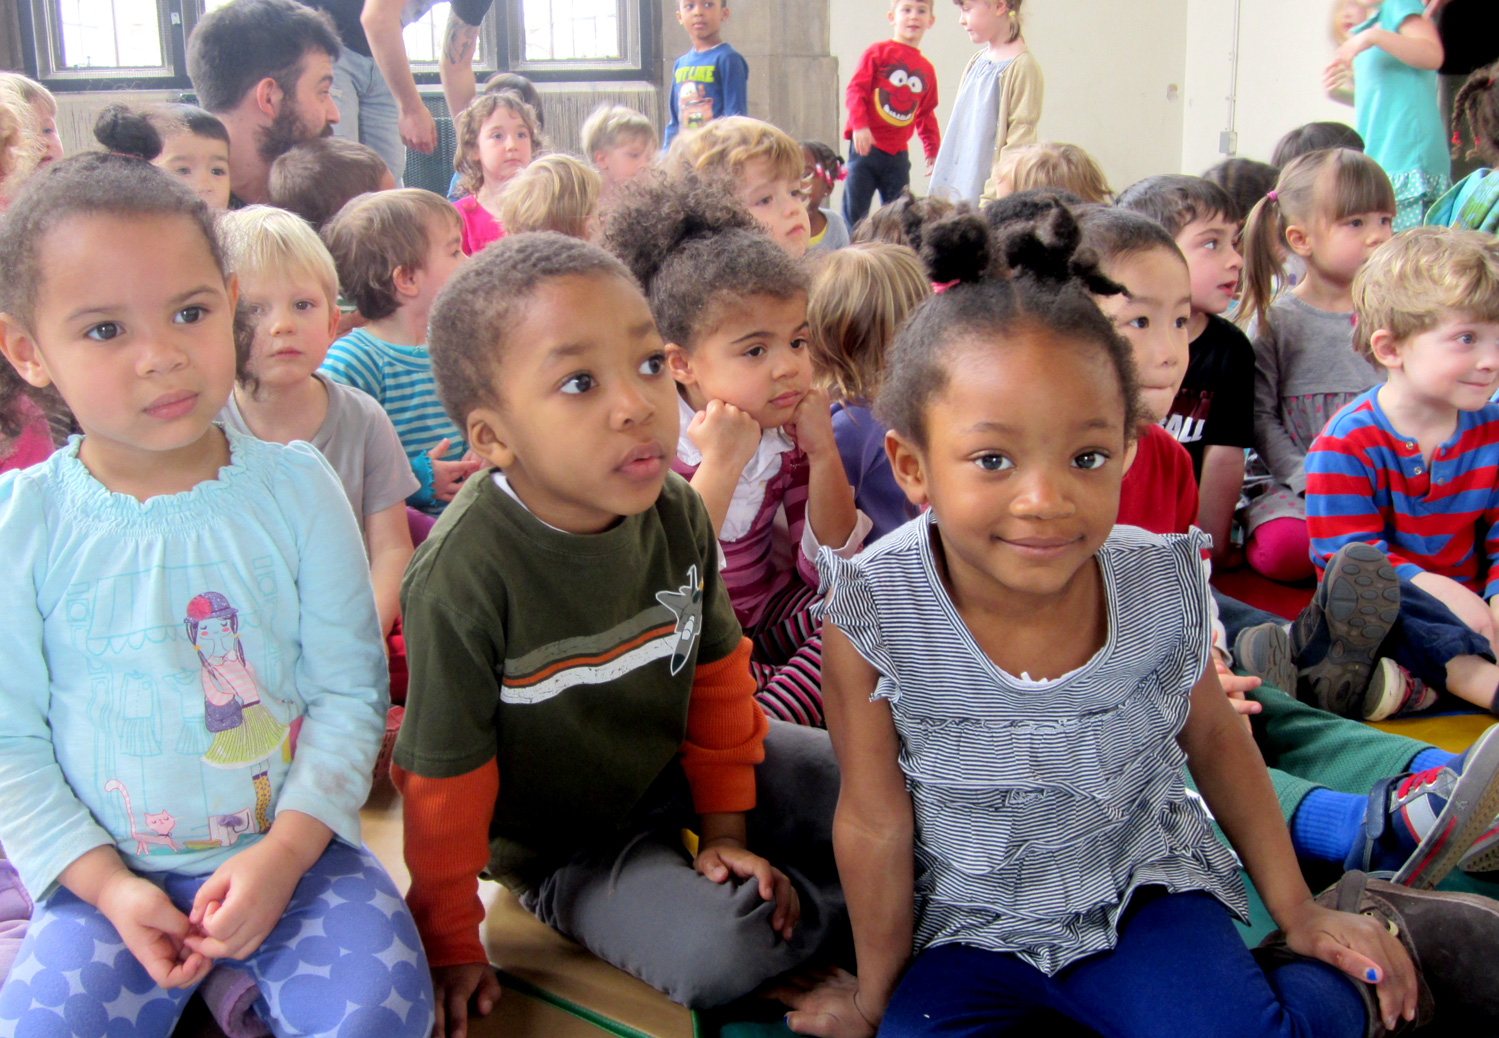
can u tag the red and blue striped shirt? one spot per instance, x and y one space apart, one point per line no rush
1367 481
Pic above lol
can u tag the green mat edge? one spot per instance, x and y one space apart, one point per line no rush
597 1019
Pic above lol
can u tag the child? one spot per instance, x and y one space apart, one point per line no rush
194 683
760 165
394 251
860 297
1407 466
579 685
1045 164
20 148
891 95
821 169
289 289
499 83
1393 56
316 178
892 223
1331 209
620 142
1314 137
998 103
498 135
757 438
1030 791
1244 180
1421 807
180 139
711 80
1213 416
1473 202
554 193
42 110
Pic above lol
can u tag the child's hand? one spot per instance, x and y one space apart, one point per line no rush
812 424
448 476
1353 46
1362 948
863 140
831 1008
243 901
1236 686
721 860
453 987
725 434
152 928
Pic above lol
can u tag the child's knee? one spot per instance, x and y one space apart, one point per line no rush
1279 549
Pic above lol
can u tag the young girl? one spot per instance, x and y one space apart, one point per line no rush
998 103
498 135
194 683
1393 56
822 168
757 437
1473 202
21 149
1013 685
860 297
1046 164
1331 209
759 165
288 289
181 139
41 107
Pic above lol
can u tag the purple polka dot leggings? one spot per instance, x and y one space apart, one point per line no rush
344 961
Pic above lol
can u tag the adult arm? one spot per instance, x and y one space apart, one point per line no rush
1222 482
381 20
455 65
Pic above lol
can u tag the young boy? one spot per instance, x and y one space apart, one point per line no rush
709 81
394 251
1213 414
762 166
1408 467
891 95
621 143
317 177
1420 799
997 107
580 688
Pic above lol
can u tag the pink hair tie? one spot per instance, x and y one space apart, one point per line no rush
1272 196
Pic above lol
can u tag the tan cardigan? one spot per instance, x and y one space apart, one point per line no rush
1020 98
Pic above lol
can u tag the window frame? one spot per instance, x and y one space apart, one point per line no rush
41 47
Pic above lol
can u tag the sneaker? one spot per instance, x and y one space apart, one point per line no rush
1264 651
1423 823
1394 692
1336 638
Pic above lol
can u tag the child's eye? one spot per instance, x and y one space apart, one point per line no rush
654 364
1467 338
1356 222
1183 322
1091 460
762 202
798 344
104 331
1142 322
182 171
993 462
755 351
305 304
219 171
1213 245
579 383
190 314
253 309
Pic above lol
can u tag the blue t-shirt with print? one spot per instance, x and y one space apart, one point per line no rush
706 85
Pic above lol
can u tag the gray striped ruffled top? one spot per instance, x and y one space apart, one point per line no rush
1041 806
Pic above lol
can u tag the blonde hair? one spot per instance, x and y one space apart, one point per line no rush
609 125
860 297
374 234
554 193
1330 185
723 147
1421 277
1013 6
20 145
1047 164
263 241
29 91
472 119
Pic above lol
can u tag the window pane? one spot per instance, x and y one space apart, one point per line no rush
568 30
424 37
110 33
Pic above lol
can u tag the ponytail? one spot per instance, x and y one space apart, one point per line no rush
1264 232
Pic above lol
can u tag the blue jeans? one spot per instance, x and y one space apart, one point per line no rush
344 960
1180 970
367 110
877 171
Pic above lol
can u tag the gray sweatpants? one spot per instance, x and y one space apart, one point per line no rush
639 904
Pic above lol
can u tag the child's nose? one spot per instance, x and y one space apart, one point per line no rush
161 354
1039 496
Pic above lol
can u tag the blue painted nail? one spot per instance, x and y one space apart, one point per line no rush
1371 975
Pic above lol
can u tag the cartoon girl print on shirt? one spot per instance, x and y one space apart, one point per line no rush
245 733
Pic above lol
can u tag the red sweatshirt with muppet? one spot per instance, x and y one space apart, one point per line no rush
893 93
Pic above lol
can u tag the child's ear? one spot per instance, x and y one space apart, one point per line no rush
20 349
405 281
335 318
680 364
487 437
1131 451
1298 240
906 464
1386 348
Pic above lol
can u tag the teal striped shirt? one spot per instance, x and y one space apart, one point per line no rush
400 377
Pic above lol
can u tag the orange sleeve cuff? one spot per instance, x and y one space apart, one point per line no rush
446 823
725 735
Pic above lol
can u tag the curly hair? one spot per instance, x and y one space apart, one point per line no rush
472 119
895 222
723 147
1048 282
697 251
1477 104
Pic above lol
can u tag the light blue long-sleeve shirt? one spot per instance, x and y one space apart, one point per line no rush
178 670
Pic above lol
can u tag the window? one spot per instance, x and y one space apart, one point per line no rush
142 44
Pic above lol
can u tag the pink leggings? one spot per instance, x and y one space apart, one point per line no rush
1279 549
